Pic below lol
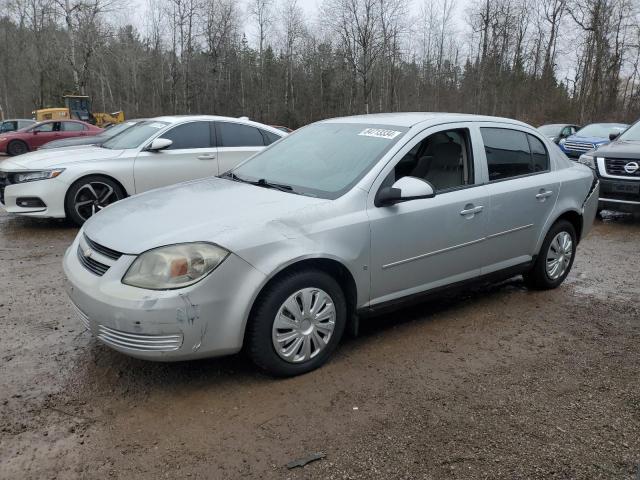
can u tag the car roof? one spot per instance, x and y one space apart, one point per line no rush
18 120
409 119
608 123
181 118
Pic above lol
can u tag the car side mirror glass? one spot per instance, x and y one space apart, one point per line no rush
613 136
404 190
159 144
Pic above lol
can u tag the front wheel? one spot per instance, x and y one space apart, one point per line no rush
17 147
297 323
555 258
89 195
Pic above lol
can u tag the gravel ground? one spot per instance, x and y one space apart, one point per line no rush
499 383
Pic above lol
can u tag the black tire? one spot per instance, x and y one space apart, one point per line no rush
17 147
79 192
538 278
258 338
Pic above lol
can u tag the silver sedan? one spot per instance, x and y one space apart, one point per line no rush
340 220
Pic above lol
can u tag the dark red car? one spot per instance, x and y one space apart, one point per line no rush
30 138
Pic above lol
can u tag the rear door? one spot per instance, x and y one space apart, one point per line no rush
72 129
237 142
192 155
523 190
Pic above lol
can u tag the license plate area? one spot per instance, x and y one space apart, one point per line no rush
628 188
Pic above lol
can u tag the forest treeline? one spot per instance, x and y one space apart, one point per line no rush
535 60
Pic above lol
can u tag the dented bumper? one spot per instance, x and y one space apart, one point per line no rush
204 320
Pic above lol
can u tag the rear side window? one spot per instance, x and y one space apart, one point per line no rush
511 153
189 135
8 126
269 137
72 127
539 154
238 135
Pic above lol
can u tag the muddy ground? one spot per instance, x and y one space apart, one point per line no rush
499 383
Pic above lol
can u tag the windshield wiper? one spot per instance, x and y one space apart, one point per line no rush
260 183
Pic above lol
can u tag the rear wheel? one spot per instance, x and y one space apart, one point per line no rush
555 258
17 147
89 195
297 323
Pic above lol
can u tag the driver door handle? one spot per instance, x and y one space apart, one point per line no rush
207 156
471 210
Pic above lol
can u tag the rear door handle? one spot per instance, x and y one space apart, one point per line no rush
207 156
470 210
543 194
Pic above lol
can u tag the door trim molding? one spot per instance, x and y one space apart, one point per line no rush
455 247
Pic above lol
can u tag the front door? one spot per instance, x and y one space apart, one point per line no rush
45 133
192 155
423 244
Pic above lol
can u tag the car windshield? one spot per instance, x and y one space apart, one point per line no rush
114 130
550 129
632 134
134 136
601 130
322 160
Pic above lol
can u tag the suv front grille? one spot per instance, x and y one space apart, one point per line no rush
579 146
615 166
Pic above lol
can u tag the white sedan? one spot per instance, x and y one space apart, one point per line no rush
77 183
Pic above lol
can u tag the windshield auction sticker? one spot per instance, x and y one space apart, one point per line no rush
379 133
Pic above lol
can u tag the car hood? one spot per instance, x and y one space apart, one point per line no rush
231 214
620 149
43 159
75 142
578 138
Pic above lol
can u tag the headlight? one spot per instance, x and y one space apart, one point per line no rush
22 177
562 142
587 160
174 266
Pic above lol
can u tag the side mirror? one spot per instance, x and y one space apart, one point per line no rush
159 144
403 190
614 135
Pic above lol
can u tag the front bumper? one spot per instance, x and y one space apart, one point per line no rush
619 195
204 320
52 192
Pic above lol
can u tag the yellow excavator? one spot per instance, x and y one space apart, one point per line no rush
78 107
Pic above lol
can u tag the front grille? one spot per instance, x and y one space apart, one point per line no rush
101 249
91 264
139 341
615 166
4 181
579 146
82 316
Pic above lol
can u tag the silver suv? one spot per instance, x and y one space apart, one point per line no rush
340 219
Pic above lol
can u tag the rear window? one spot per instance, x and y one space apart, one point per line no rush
511 153
238 135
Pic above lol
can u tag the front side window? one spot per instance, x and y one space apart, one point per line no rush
72 127
443 159
324 159
47 127
135 136
189 135
508 153
238 135
567 131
